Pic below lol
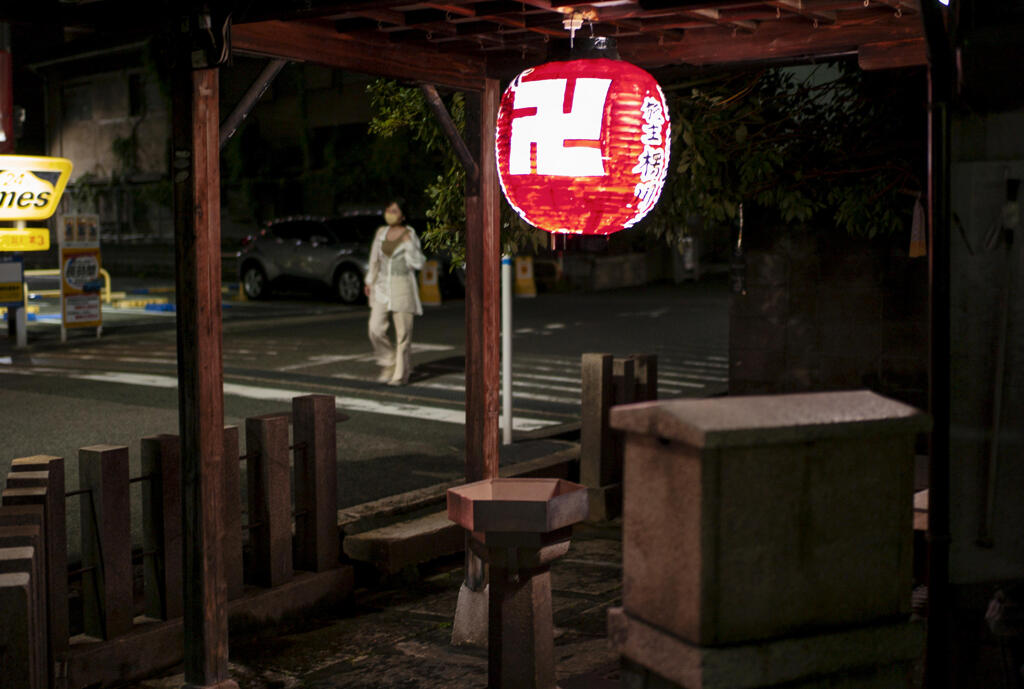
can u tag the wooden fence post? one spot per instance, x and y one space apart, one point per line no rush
645 370
31 536
54 505
23 560
316 482
162 526
17 631
231 493
106 541
596 390
598 470
270 505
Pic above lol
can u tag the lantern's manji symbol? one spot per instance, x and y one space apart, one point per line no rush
542 142
583 146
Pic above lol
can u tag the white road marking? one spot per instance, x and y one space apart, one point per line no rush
322 360
675 377
417 411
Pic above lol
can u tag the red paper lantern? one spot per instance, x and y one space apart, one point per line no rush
582 146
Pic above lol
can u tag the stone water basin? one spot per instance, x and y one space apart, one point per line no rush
518 505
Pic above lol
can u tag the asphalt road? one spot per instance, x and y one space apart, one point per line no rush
56 398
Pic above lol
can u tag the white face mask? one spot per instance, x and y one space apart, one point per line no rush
392 217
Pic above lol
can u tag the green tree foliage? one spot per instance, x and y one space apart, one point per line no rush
401 110
838 148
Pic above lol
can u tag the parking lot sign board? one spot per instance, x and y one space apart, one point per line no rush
81 281
11 294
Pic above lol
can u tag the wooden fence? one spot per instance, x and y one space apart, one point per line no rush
291 562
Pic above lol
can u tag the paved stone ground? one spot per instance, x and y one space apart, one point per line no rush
395 633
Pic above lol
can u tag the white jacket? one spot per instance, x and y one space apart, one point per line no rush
390 285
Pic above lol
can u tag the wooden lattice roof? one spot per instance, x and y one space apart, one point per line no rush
458 42
650 33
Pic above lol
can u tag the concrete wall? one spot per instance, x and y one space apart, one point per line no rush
826 312
987 150
87 114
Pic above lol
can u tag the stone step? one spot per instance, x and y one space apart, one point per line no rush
394 547
426 534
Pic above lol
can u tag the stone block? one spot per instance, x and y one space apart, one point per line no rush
747 518
393 547
878 656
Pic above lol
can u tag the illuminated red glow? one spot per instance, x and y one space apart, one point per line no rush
583 146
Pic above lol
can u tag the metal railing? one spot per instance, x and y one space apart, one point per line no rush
55 272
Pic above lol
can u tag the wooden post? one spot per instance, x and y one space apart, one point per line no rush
31 536
316 482
23 560
54 508
483 294
232 538
607 381
161 526
645 370
16 631
595 435
483 339
25 508
270 504
106 541
196 179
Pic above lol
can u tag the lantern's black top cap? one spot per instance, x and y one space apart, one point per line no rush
584 48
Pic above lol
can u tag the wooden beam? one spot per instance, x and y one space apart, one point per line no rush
196 179
891 54
320 44
451 132
772 40
715 16
805 9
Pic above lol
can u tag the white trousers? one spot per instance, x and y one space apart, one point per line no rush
399 354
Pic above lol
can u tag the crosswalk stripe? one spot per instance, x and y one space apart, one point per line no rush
352 404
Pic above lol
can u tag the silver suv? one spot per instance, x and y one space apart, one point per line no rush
325 252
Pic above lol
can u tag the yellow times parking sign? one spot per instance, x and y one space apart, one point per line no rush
31 186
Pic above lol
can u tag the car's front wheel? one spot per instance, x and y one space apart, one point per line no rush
254 282
348 285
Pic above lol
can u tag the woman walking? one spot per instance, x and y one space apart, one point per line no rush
393 293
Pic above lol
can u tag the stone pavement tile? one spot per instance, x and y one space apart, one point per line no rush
584 577
396 635
408 664
339 643
587 546
582 617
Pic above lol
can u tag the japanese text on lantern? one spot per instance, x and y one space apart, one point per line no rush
651 164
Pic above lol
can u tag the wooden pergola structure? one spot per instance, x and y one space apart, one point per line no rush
467 45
